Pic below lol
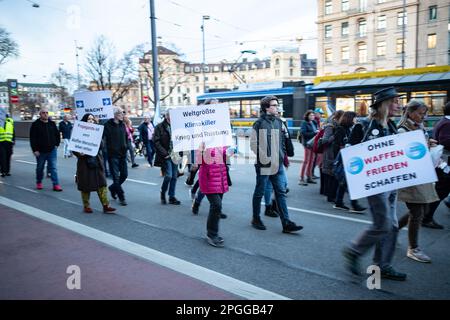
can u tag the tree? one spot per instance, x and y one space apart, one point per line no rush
109 73
64 81
8 47
30 104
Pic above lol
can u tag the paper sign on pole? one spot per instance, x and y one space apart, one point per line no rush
86 138
2 117
196 124
99 103
387 163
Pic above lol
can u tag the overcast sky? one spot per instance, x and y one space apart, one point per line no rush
46 34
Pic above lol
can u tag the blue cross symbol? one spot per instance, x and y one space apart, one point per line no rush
79 104
106 101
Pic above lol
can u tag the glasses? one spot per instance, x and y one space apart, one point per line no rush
43 112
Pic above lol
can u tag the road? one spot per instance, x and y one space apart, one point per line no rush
146 237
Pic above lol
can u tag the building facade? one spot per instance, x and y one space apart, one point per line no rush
376 35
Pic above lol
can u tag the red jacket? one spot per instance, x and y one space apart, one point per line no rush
213 171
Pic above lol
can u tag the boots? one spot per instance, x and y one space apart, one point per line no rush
107 209
195 207
270 212
163 198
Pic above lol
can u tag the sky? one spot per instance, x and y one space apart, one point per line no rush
46 35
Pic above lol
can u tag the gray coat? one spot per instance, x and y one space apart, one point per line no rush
330 152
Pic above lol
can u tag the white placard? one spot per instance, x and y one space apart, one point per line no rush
196 124
2 117
387 163
86 138
99 103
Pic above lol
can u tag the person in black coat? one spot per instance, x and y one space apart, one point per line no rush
165 159
44 140
65 128
146 130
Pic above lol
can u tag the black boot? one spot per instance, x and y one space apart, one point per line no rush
195 207
163 198
269 212
173 200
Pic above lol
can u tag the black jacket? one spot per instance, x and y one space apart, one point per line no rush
115 137
374 130
161 139
65 129
44 136
143 131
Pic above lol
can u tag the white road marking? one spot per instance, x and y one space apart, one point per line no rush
28 162
211 277
142 182
26 189
330 215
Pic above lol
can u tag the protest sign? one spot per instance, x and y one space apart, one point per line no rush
2 117
191 126
99 103
86 138
387 163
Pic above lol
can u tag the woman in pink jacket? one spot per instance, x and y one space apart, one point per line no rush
213 183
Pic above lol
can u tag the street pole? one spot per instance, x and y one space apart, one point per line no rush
204 55
78 64
157 117
403 34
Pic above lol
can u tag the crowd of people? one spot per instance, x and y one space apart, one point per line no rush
271 142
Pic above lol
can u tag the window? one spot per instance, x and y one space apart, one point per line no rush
381 48
431 64
432 41
179 100
216 79
171 100
362 52
362 27
291 62
196 69
188 90
291 72
345 53
328 55
328 31
432 13
197 89
381 22
277 61
178 89
399 46
362 5
400 16
344 29
344 5
328 6
277 73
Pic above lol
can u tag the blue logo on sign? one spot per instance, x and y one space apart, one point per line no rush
416 150
106 101
79 103
355 165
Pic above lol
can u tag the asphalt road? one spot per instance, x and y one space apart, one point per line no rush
307 265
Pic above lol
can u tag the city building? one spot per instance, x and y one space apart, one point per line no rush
375 35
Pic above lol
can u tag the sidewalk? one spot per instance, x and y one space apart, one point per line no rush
35 256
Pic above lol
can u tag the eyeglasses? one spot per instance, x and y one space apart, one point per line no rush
44 112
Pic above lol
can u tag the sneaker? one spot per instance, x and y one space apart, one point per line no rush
302 182
341 207
134 165
432 225
258 224
215 241
418 255
123 202
39 186
291 227
391 273
315 177
352 261
173 200
87 210
195 207
357 209
163 198
223 216
113 194
270 213
107 209
57 188
309 180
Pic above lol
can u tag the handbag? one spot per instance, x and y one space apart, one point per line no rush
289 147
91 162
310 143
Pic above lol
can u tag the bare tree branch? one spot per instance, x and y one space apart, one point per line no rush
8 47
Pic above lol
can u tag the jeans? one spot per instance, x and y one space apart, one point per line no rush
215 208
50 158
199 197
119 172
278 181
170 178
149 146
341 190
66 148
384 229
130 148
269 189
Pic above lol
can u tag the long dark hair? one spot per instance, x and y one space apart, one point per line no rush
86 116
347 118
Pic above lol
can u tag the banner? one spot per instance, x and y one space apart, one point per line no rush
196 124
387 163
99 103
86 138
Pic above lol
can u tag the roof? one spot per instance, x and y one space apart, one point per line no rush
246 93
162 50
385 81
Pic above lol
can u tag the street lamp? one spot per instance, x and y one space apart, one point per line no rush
204 59
78 65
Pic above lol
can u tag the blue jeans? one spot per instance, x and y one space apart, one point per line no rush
278 181
384 229
269 189
50 157
170 177
199 197
215 208
119 171
149 146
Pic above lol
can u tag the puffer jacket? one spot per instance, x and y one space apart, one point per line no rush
213 171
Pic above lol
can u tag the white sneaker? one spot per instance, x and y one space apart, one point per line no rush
418 255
